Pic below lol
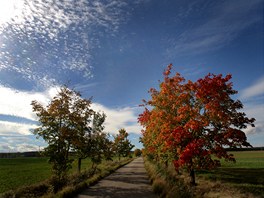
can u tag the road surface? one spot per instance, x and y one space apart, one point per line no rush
130 181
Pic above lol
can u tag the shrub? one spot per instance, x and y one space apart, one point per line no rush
166 182
137 152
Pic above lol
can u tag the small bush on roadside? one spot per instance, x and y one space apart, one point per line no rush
159 186
166 182
137 152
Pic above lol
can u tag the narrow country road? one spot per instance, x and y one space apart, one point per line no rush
130 181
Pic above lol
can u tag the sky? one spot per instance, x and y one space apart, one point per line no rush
116 50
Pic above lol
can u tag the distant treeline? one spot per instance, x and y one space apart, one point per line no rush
246 149
38 154
26 154
22 154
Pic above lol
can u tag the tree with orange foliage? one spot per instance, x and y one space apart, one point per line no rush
191 123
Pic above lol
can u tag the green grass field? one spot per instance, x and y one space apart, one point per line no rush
18 172
247 174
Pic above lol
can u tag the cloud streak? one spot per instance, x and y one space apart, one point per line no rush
226 20
19 128
252 97
257 89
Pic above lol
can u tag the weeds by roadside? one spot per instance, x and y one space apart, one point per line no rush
74 184
227 181
166 182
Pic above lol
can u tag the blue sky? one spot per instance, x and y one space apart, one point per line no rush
116 50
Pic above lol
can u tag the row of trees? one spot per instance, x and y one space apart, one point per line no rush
68 124
191 123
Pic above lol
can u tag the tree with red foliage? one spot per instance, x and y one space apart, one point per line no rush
191 123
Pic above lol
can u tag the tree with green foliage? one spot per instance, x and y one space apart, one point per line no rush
137 152
64 124
121 144
87 143
101 146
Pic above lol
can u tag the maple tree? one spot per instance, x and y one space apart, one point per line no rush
191 123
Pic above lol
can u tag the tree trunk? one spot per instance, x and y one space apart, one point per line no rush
192 176
79 164
166 163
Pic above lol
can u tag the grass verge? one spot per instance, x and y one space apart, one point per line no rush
166 182
243 179
74 185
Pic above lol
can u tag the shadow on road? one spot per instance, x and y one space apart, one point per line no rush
130 181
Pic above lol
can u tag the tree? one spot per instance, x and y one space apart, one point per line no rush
190 123
101 145
64 124
122 144
137 152
86 144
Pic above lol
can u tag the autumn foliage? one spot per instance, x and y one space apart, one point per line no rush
68 124
191 123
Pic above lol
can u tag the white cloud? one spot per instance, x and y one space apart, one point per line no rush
119 118
17 103
27 147
20 143
257 89
252 98
11 127
6 147
255 111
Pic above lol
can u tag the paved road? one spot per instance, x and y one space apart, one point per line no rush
130 181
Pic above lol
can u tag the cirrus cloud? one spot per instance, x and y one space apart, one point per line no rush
44 41
257 89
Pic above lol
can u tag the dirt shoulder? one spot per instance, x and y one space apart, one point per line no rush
129 181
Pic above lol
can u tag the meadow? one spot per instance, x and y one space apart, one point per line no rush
25 171
243 179
246 175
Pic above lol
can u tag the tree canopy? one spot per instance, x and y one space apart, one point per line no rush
122 145
67 124
191 123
